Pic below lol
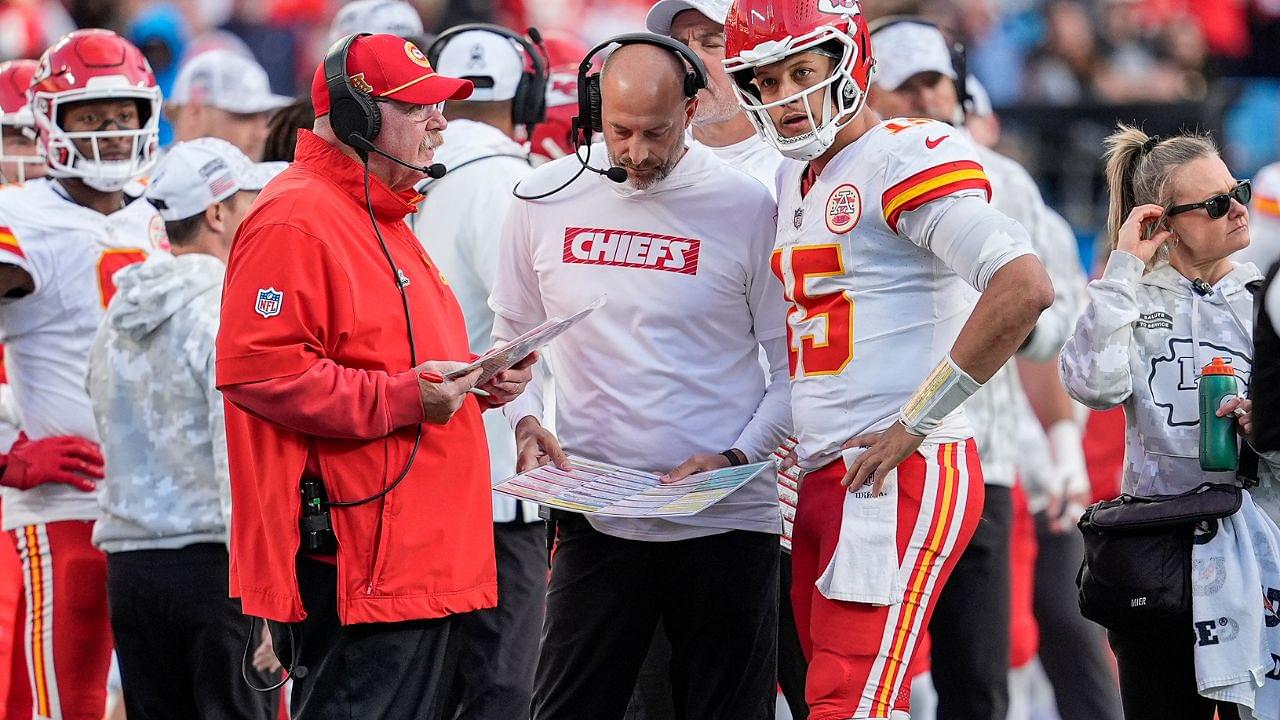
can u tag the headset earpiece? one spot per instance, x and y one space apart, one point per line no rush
590 118
529 105
595 114
351 111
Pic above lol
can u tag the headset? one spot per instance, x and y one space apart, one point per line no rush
959 55
589 118
356 120
529 106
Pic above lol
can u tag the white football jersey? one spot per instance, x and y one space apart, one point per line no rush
71 252
873 311
1264 220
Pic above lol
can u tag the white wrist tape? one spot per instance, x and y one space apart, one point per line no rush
943 391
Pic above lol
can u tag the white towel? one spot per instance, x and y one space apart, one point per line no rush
1235 608
864 566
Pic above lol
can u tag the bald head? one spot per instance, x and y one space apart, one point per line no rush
643 73
644 111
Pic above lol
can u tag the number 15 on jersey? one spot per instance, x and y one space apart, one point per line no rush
820 324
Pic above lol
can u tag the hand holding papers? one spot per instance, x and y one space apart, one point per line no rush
599 488
501 358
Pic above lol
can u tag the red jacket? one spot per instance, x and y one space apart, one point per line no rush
313 361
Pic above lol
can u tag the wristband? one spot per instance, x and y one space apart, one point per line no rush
732 456
946 388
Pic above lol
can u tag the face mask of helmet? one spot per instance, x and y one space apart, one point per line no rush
759 33
68 156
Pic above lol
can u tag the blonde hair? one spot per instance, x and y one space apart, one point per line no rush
1140 170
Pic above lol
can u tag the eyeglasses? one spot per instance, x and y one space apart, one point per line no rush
416 113
1218 205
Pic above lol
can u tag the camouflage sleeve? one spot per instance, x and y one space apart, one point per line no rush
218 438
1094 364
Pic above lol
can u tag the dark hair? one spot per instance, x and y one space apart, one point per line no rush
182 232
282 130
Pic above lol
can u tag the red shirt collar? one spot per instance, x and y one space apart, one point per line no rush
318 155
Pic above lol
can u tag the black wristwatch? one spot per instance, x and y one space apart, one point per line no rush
735 457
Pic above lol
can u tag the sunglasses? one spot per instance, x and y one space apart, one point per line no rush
1218 205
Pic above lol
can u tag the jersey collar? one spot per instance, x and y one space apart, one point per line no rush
319 156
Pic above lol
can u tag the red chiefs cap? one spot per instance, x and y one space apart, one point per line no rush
388 66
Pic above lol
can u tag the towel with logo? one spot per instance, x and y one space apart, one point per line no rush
1235 608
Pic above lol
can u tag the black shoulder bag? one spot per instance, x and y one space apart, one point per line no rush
1137 555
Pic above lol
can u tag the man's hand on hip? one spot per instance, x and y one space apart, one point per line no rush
536 446
441 397
64 459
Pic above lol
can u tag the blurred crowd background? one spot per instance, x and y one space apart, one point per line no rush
1059 73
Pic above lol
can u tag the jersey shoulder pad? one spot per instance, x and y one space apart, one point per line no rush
1266 190
926 160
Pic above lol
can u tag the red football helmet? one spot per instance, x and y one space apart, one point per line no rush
553 137
15 118
763 32
95 65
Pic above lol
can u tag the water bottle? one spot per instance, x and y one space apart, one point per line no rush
1219 449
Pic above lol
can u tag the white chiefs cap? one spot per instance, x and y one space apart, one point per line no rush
491 62
195 174
226 80
378 17
907 48
664 11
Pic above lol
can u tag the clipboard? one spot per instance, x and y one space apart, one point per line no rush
502 358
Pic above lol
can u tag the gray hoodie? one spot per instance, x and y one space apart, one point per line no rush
159 414
1142 343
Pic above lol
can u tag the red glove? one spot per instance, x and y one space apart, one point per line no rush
64 459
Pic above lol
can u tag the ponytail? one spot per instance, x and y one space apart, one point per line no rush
1139 170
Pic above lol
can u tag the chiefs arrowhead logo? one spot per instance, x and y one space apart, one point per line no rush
844 209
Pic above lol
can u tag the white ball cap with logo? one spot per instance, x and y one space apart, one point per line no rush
664 11
905 49
226 80
194 175
493 63
377 17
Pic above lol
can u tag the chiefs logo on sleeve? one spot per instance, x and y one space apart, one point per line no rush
631 249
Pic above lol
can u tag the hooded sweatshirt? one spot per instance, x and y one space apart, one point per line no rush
460 223
1142 343
151 377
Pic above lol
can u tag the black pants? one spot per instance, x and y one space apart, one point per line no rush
371 671
1158 676
1073 650
179 638
970 627
494 651
652 697
716 597
792 666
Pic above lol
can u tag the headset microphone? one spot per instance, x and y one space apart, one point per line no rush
434 171
616 173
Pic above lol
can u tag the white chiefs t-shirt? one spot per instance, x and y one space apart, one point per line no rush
874 311
71 252
459 223
756 158
668 367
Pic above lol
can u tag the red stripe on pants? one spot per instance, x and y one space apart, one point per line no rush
860 655
69 652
